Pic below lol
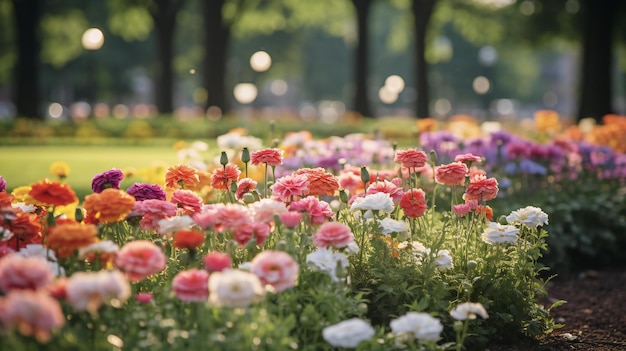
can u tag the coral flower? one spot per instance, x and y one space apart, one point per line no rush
32 313
319 181
24 273
191 285
64 239
217 261
467 158
290 187
275 268
181 176
143 192
411 158
318 211
188 239
271 157
60 169
413 203
153 211
333 234
6 199
487 210
187 201
26 229
52 193
140 259
290 219
386 187
109 206
109 179
481 188
451 174
244 186
246 232
221 178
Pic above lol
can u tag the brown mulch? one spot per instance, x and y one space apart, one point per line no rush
594 315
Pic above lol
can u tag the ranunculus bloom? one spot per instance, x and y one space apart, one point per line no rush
290 219
143 192
52 193
319 182
420 325
413 203
378 201
144 297
153 211
60 169
349 333
87 291
3 184
6 199
387 187
318 211
469 310
276 268
187 201
451 174
181 176
64 239
234 288
109 206
462 209
496 233
26 229
272 157
191 285
188 239
109 179
411 158
217 261
221 178
530 216
265 209
24 273
227 217
244 186
333 234
290 187
244 233
32 313
140 259
467 158
486 209
482 189
105 251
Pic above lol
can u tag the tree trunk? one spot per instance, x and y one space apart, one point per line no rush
361 58
164 15
597 59
27 97
422 12
216 38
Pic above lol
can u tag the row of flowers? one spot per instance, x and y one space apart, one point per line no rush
311 258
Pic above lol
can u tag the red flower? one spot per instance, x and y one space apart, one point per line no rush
53 193
411 158
481 189
413 203
223 177
451 174
188 239
217 261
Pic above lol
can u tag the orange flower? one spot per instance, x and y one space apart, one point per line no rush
426 124
6 199
223 177
188 239
393 246
111 205
53 193
547 121
181 176
26 229
66 238
487 210
320 181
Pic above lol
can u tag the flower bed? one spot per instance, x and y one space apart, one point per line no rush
341 243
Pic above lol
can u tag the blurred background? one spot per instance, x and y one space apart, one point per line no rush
311 59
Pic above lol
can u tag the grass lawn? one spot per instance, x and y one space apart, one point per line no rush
24 165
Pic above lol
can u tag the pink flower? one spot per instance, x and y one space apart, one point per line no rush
187 201
333 234
275 268
462 209
153 211
451 174
140 259
191 285
351 181
290 219
467 158
217 261
481 188
411 158
290 188
244 233
245 185
87 291
413 203
318 211
272 157
144 297
228 217
24 273
265 209
386 187
32 313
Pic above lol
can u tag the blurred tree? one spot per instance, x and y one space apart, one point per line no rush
27 96
361 58
422 13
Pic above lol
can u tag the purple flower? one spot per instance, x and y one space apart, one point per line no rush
146 192
3 184
108 179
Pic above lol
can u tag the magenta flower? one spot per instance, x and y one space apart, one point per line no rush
3 184
143 192
109 179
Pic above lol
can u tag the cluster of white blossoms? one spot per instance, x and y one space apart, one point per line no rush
235 288
349 333
419 325
497 233
530 216
327 261
442 260
390 225
373 202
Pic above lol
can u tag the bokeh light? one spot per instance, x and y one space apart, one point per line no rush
92 39
260 61
55 110
394 83
245 93
481 85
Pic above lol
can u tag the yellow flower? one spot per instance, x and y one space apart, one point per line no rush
21 194
547 121
179 145
60 169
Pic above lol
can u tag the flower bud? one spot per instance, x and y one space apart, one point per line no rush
343 196
248 198
245 155
365 175
433 157
223 158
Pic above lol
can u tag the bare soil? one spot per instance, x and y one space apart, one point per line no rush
594 315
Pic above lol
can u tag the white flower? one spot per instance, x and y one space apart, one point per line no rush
352 248
5 234
236 141
234 288
420 325
497 233
443 260
174 224
374 202
89 290
390 225
25 208
264 210
104 246
469 310
38 250
349 333
530 216
327 261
